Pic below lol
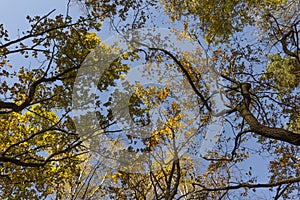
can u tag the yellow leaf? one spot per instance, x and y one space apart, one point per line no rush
204 118
125 56
159 59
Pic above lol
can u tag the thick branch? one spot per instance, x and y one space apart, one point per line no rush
265 131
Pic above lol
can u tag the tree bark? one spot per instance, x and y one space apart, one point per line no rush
263 130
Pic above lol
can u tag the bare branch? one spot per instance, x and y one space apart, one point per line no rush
247 185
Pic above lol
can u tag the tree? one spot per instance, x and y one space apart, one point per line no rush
43 155
38 139
261 82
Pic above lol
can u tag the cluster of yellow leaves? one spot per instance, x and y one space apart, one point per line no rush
16 127
130 55
219 19
167 132
284 72
116 177
151 95
295 124
91 40
24 137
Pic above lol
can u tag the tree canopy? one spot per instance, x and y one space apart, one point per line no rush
244 55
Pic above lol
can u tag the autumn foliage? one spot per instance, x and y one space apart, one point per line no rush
253 49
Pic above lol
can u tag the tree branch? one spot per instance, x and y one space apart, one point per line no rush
247 185
265 131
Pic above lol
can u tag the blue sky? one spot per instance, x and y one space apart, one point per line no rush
14 12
